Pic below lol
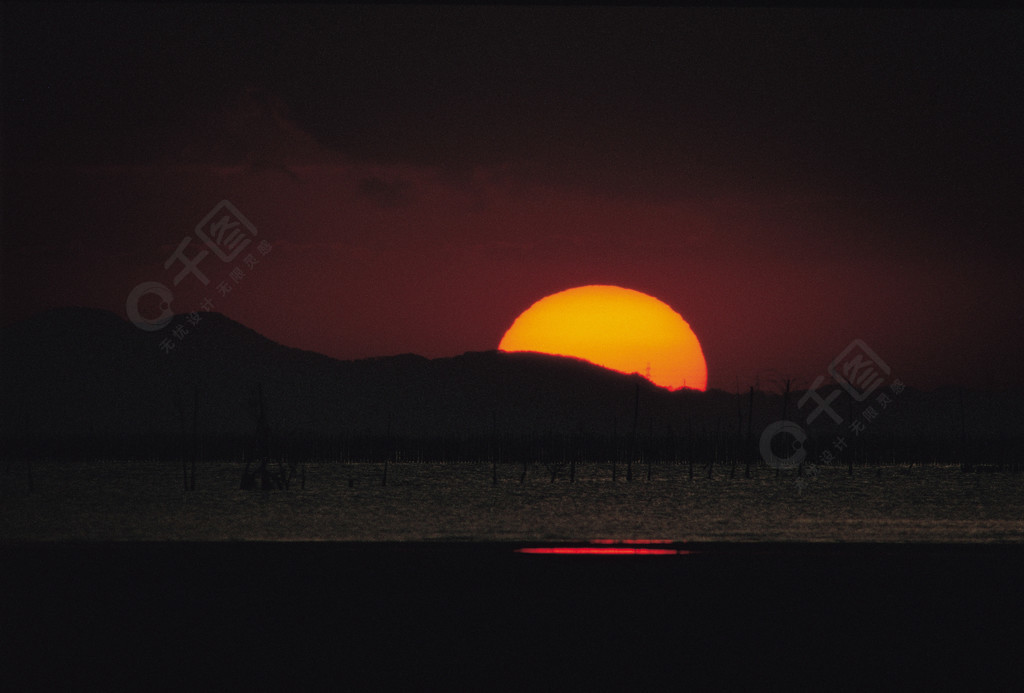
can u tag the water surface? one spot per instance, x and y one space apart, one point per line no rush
131 500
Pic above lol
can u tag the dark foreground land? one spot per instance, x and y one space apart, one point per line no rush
465 616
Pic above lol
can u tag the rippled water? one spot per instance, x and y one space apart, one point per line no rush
118 500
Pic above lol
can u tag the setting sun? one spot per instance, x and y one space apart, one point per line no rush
621 329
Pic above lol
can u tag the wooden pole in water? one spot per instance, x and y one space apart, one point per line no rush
714 455
494 448
388 452
182 442
739 431
262 440
785 407
245 472
650 445
852 451
750 420
195 435
565 449
31 451
965 465
522 477
615 448
282 476
575 440
632 443
689 457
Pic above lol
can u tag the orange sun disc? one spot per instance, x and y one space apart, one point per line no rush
621 329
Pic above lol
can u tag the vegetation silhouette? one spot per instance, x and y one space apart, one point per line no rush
117 395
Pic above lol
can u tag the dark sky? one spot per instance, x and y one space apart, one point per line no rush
787 180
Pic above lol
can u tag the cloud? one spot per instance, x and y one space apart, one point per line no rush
251 128
384 193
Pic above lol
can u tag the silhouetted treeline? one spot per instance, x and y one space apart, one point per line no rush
116 395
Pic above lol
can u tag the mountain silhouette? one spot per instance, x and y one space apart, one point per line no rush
80 370
87 373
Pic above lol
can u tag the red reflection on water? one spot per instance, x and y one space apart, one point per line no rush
602 551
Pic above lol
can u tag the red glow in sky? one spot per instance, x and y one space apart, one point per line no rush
420 203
